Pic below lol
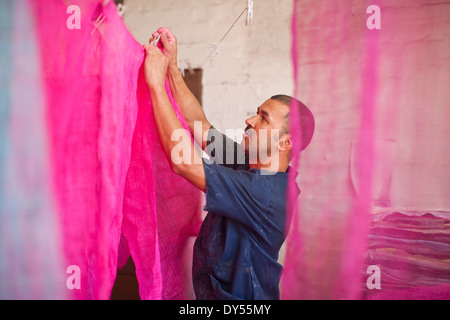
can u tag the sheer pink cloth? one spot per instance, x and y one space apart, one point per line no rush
374 180
110 174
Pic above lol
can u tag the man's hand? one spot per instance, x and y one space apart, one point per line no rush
188 103
167 122
169 46
156 64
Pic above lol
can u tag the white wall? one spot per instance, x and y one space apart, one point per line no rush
254 62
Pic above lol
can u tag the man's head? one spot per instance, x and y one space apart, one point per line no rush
268 132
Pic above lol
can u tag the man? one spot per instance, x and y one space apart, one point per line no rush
236 251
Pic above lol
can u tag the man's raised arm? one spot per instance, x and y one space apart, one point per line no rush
188 162
188 103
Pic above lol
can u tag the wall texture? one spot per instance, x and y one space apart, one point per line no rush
254 62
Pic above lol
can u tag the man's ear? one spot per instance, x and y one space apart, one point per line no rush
285 143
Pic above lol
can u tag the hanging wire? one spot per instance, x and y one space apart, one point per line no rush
219 44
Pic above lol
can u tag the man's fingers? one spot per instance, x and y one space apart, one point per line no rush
164 39
149 46
153 52
150 49
168 33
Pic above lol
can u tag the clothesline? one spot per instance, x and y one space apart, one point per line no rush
218 44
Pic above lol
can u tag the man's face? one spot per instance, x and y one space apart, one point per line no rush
262 135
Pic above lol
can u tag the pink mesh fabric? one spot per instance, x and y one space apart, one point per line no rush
110 173
160 212
374 184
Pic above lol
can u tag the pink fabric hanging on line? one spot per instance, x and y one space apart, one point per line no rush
374 180
110 174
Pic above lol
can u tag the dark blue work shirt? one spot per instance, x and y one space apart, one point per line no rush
236 251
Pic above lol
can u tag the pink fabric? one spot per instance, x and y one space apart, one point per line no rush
31 260
110 172
412 251
377 150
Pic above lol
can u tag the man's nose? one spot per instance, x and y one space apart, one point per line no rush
250 122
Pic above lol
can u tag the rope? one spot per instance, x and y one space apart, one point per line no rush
223 38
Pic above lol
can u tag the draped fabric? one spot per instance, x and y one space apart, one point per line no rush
82 161
375 181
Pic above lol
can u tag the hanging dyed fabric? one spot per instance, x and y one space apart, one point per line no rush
373 218
90 170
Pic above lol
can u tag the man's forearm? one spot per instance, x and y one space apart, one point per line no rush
188 103
190 166
165 118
